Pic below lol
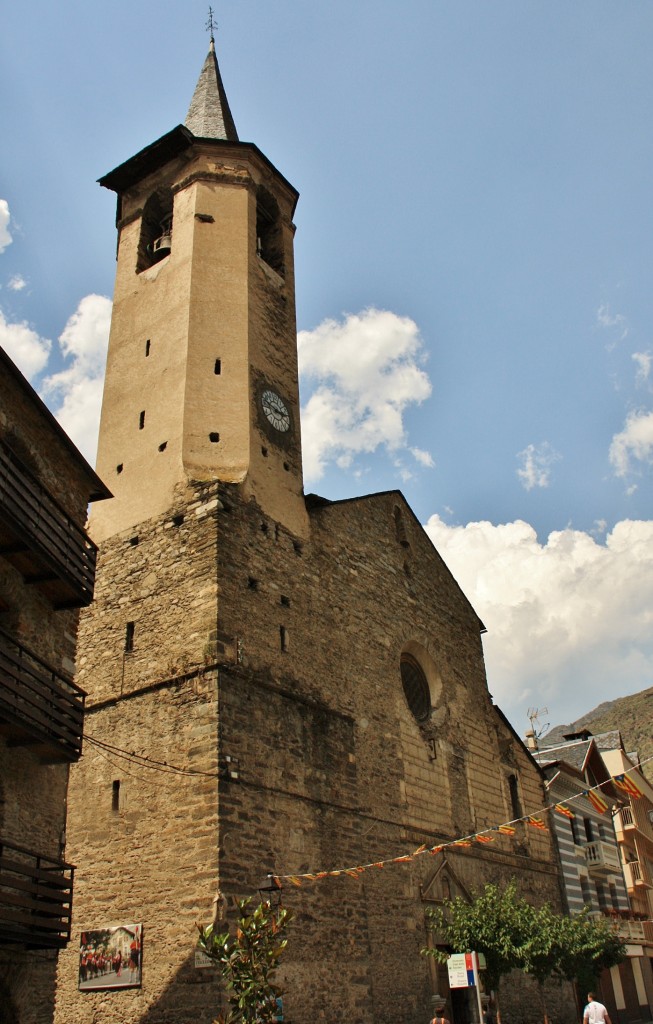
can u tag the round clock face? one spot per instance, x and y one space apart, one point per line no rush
275 410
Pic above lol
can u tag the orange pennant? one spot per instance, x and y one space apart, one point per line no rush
563 809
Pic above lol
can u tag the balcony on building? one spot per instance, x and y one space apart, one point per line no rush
40 539
636 875
38 706
602 858
631 931
36 895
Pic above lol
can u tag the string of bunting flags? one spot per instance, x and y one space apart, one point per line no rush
488 835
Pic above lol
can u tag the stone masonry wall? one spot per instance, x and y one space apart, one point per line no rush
153 859
286 657
322 626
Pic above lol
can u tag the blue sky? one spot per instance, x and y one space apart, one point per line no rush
475 221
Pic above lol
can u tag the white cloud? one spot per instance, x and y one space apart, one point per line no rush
425 458
616 323
569 621
28 349
634 442
643 361
77 389
537 462
367 369
17 283
5 217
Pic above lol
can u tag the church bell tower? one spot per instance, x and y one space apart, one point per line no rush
201 379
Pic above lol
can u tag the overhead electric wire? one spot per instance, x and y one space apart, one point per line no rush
143 761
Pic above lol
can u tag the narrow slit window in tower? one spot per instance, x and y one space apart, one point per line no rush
115 796
129 637
141 419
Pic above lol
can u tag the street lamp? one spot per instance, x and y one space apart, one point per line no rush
269 888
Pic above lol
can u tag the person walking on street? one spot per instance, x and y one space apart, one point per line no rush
595 1012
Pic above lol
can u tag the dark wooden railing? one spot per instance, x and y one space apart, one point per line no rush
36 897
40 539
39 705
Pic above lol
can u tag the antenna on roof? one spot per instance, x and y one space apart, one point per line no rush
211 24
536 733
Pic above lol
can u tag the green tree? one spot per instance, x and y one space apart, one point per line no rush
546 948
247 959
512 934
496 923
576 948
589 946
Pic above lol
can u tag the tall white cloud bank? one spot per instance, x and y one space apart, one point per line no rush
76 391
365 370
570 622
25 346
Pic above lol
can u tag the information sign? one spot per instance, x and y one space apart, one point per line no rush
461 970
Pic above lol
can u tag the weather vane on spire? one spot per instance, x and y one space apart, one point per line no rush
211 24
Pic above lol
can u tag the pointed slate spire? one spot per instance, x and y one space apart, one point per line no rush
209 116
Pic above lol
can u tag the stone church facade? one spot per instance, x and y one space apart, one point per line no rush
277 683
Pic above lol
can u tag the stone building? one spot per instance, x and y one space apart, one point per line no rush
47 567
277 683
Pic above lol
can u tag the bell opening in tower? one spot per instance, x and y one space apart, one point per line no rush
155 240
269 237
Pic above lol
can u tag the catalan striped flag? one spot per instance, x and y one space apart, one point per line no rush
536 822
628 784
420 849
462 842
434 850
506 830
295 879
596 799
563 809
353 872
484 839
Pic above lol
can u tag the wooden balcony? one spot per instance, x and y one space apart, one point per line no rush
39 706
36 896
41 540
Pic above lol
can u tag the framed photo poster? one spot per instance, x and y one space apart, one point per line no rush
111 957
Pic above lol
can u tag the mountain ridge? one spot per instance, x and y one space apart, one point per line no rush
632 715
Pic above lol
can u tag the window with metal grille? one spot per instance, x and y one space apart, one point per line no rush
416 688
